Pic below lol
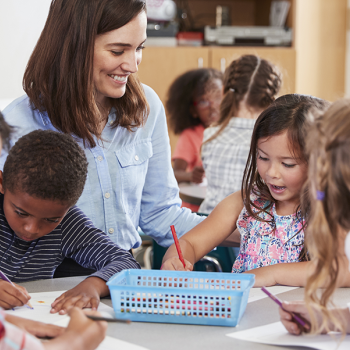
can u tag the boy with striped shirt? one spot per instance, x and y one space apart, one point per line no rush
44 176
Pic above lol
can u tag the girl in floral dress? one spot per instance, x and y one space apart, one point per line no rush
267 211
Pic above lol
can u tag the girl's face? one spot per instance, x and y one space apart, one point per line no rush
207 106
117 54
281 171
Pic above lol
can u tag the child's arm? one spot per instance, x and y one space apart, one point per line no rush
91 248
206 235
295 274
299 307
81 334
38 329
181 175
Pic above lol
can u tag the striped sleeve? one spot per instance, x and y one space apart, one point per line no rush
92 248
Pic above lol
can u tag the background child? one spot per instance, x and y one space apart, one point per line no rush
44 175
250 85
192 105
268 208
81 333
328 238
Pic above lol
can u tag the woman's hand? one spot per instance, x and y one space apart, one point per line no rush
175 263
12 295
85 294
38 329
297 307
81 333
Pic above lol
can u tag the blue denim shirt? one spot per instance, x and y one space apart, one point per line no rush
130 180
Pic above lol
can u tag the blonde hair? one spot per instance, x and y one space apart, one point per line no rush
328 146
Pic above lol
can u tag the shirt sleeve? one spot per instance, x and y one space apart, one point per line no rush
14 338
185 149
160 203
92 248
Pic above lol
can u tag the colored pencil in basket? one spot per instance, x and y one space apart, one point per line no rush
279 303
5 278
177 244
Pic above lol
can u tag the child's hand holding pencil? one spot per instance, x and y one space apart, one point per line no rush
176 262
12 295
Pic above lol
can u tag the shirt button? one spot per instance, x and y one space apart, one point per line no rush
136 157
107 195
100 158
111 230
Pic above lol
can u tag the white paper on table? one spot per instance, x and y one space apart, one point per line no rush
257 294
276 334
41 303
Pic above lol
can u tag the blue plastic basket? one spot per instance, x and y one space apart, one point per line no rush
202 298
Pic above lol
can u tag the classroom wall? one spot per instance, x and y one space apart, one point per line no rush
320 42
21 22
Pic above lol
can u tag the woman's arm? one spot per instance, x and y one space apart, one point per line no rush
208 234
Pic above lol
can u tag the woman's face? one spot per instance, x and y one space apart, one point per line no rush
117 54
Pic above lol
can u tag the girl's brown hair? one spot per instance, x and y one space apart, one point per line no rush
182 94
249 78
287 113
59 75
328 146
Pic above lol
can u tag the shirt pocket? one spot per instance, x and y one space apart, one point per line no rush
133 161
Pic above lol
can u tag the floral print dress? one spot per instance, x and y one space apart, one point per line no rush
263 244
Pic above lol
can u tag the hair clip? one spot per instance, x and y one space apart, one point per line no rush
320 195
231 89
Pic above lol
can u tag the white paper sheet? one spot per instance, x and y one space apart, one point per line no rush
276 334
257 294
41 303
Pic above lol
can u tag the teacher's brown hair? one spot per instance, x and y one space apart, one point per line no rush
59 75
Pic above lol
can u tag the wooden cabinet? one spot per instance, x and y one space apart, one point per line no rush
161 65
315 64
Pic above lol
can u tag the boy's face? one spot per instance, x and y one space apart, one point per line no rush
30 217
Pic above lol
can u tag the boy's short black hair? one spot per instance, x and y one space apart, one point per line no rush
48 165
5 133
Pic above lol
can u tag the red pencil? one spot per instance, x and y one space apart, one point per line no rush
177 244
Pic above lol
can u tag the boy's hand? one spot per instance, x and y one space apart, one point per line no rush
38 329
176 264
11 296
85 294
81 333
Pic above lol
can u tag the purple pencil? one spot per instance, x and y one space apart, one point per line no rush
5 278
279 302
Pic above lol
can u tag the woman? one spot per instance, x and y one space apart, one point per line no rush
80 80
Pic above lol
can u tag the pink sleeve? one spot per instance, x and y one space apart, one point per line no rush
12 337
188 147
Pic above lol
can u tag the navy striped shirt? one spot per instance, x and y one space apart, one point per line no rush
75 237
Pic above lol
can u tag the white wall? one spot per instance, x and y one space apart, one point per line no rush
21 22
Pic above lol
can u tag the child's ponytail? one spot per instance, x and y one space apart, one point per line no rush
329 190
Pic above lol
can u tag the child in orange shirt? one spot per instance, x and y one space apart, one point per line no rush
193 104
